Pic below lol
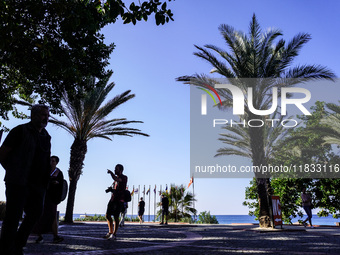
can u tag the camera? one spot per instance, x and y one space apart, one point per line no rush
109 189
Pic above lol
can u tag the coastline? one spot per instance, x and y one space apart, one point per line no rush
235 219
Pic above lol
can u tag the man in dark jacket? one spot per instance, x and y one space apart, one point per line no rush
165 209
25 155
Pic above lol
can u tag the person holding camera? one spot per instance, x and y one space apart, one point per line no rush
116 203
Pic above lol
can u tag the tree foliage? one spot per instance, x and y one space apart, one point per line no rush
331 127
305 145
206 218
266 59
86 119
47 46
180 203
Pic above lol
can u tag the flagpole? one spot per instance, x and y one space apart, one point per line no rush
133 188
138 199
193 195
154 203
160 197
149 200
138 194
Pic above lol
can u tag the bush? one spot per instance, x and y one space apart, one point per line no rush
92 218
136 219
206 218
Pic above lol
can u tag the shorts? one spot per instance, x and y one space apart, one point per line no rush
165 211
140 212
114 208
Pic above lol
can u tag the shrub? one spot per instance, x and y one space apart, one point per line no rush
206 218
92 218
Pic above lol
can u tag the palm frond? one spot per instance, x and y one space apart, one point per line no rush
87 113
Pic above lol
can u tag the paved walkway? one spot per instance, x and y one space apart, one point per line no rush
86 238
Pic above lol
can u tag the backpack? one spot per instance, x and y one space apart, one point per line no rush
127 196
64 192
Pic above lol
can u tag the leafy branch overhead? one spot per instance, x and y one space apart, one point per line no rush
47 46
136 12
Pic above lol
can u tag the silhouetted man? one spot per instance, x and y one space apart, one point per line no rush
141 208
165 209
25 155
116 203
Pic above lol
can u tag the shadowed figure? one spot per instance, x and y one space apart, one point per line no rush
25 155
48 221
116 203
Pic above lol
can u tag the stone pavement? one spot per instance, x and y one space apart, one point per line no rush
148 238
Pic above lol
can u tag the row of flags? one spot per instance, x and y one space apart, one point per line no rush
154 190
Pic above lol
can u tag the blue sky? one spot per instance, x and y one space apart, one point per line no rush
147 59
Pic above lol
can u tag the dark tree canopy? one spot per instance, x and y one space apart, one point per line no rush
48 46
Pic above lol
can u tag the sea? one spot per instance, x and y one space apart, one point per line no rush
232 219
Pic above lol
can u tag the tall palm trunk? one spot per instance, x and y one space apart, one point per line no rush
70 201
258 157
78 152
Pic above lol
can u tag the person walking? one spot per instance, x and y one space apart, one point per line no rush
307 206
25 155
141 209
165 209
116 203
49 220
122 215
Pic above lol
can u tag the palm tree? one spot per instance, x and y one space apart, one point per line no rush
86 119
331 130
237 139
180 203
256 56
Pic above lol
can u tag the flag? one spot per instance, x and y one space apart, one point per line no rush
191 181
147 192
136 190
133 191
166 188
144 191
154 189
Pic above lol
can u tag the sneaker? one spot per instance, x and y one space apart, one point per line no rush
166 223
58 239
304 224
40 239
107 236
312 226
161 223
112 237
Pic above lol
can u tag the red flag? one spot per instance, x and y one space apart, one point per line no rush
191 181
